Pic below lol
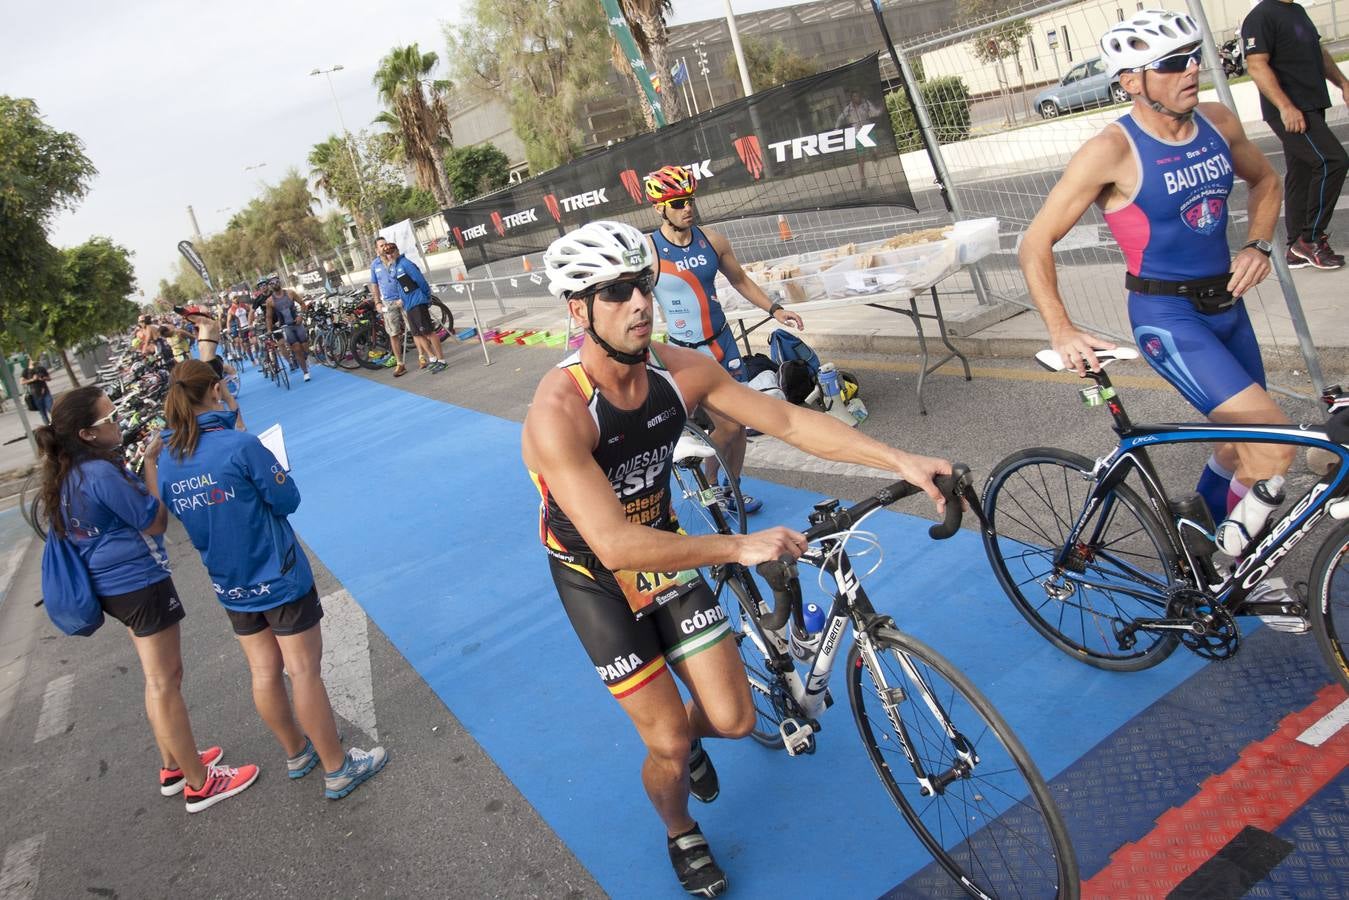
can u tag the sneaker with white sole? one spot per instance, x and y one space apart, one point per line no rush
222 782
299 765
306 376
171 780
1275 590
360 766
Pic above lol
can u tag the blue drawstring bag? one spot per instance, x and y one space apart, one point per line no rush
67 591
784 346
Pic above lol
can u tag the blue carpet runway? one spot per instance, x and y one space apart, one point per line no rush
426 514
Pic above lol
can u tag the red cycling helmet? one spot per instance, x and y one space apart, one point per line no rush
670 183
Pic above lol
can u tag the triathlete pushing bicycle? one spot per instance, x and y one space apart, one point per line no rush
689 257
599 442
1161 174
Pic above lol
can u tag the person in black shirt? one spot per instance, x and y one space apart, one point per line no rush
35 378
1290 66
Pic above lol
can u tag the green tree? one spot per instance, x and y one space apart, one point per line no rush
477 170
948 103
408 203
42 172
771 64
417 112
999 43
545 59
97 301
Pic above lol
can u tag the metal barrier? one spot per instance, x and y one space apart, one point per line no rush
1013 157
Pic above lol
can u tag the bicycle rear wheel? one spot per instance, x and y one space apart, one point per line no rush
29 505
983 810
1329 602
283 373
442 320
699 507
1120 569
342 352
370 346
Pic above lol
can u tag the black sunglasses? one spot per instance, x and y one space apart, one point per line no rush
621 291
1177 62
680 203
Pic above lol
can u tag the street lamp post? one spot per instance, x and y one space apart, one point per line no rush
351 147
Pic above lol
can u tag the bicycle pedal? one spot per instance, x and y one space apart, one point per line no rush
797 737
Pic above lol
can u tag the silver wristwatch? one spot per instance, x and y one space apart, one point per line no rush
1264 247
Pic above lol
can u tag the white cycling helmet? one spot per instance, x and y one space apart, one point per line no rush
595 254
1145 38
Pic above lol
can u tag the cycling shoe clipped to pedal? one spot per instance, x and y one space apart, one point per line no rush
798 737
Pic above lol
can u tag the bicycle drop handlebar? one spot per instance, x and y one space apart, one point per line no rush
781 573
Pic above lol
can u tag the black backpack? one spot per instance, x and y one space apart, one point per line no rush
797 380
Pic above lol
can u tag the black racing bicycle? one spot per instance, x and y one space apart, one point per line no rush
1117 572
950 763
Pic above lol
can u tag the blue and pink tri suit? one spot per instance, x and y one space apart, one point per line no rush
1174 228
687 294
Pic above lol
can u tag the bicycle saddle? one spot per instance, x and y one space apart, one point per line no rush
688 448
1051 360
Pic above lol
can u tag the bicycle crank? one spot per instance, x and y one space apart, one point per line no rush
1218 638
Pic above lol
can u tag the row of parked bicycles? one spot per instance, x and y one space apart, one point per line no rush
136 385
345 332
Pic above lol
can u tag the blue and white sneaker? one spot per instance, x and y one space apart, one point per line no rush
360 766
299 765
752 504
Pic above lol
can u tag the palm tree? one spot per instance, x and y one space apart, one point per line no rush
646 20
417 114
330 165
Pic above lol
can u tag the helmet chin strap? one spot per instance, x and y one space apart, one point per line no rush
627 359
1158 106
673 225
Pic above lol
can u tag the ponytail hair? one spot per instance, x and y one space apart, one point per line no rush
62 450
190 388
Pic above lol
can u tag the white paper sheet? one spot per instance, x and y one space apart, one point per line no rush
275 441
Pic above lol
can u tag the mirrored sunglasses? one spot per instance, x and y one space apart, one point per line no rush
621 291
1177 62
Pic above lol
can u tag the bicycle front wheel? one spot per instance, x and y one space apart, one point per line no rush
370 346
702 508
342 352
1329 601
442 320
959 776
738 593
1119 568
283 373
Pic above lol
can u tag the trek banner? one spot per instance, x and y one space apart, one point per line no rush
820 142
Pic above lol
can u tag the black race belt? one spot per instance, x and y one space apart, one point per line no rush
696 345
1208 295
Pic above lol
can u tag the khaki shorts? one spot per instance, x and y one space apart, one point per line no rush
395 317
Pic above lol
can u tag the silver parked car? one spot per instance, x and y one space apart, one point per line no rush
1085 84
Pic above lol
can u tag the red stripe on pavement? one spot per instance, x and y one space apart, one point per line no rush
1268 782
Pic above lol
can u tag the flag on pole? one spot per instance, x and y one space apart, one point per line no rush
623 34
679 72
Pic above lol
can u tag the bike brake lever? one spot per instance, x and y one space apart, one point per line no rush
953 488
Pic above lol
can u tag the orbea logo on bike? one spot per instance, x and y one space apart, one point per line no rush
198 491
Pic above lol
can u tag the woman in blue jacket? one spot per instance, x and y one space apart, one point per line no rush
233 497
90 497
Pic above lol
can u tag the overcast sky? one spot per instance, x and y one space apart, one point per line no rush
175 100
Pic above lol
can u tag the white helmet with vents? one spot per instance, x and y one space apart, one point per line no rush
595 254
1147 37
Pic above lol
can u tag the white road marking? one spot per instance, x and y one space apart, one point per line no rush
770 453
18 874
346 661
9 561
1326 727
55 716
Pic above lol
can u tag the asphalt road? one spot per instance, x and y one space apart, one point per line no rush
441 820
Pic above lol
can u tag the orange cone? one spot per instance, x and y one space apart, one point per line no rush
459 276
528 267
784 230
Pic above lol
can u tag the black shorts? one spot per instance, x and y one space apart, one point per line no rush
419 318
289 618
147 611
295 333
629 653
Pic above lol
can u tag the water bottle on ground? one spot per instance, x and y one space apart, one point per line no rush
832 396
1249 516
